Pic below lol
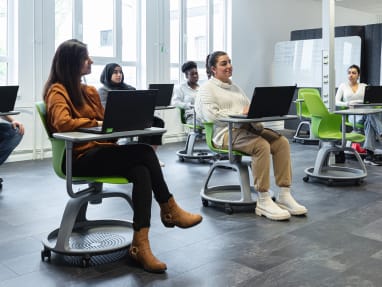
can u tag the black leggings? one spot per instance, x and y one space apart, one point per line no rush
136 162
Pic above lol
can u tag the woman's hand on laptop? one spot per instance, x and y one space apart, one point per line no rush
100 123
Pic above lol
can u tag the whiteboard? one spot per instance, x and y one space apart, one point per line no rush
300 62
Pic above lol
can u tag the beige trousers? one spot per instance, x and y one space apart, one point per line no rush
261 147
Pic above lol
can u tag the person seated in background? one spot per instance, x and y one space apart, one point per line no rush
11 133
112 78
71 105
351 93
218 98
184 96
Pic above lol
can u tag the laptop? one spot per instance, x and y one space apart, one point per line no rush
164 94
8 95
373 95
269 102
126 110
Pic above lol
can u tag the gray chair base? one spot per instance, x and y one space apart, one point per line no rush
326 169
299 138
190 152
78 236
229 195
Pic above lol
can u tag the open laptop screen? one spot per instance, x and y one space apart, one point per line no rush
8 96
127 110
373 95
164 94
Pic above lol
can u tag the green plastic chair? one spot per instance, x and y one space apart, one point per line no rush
305 117
326 126
227 195
190 151
78 236
58 155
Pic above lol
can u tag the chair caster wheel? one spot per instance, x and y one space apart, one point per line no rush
359 182
46 253
305 178
205 202
181 159
228 209
85 262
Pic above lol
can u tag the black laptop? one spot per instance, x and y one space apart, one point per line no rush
164 94
373 95
8 95
127 111
269 102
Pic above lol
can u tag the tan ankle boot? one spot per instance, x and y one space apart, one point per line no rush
172 215
140 251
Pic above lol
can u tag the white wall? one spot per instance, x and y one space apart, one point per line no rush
257 25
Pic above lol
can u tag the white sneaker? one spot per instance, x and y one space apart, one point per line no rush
287 202
161 163
269 209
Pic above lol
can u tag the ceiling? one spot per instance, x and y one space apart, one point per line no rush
368 6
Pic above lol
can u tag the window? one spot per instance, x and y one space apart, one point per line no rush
115 31
8 50
3 41
111 30
196 28
63 21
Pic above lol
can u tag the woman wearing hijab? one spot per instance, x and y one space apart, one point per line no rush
112 78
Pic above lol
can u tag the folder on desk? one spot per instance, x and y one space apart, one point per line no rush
126 111
8 96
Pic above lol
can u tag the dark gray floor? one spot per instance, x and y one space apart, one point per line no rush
339 243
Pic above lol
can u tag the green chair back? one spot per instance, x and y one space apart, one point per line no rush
182 113
301 108
58 154
209 130
325 125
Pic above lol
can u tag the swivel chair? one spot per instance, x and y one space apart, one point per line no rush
227 195
305 117
327 128
78 236
195 133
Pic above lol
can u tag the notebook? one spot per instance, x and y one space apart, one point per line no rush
373 95
8 95
164 94
127 111
269 102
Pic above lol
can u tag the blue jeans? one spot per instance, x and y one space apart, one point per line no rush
9 139
373 129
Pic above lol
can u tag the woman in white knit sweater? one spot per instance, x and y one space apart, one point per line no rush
220 97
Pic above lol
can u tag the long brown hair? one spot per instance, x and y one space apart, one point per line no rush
66 69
